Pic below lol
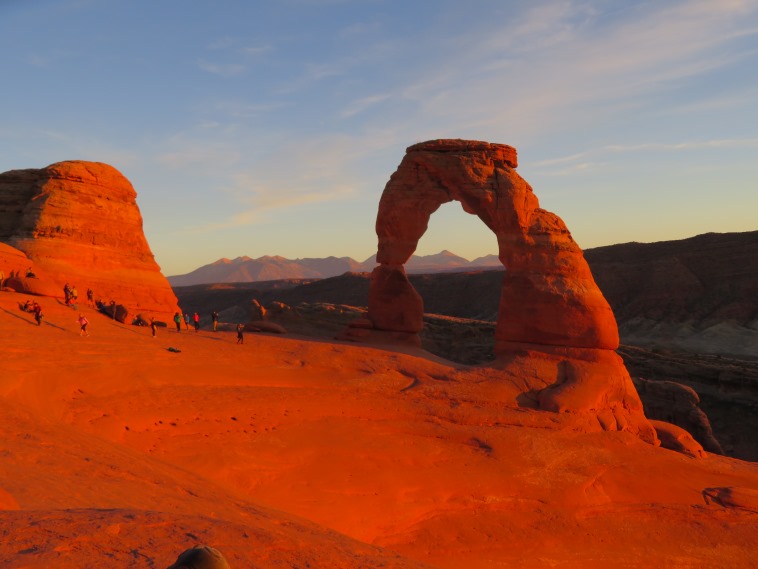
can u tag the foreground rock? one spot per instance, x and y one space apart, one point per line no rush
118 452
78 222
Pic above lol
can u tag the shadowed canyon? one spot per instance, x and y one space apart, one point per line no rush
359 421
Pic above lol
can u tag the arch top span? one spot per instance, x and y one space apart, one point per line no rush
502 152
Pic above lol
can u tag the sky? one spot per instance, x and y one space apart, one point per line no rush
251 127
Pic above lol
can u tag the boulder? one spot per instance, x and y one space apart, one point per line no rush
79 223
679 405
677 439
265 326
258 312
35 286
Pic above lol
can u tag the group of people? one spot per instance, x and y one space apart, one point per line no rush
195 318
72 296
179 318
35 308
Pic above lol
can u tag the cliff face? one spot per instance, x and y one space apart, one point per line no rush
79 223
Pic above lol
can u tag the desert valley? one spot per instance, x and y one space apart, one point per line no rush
577 409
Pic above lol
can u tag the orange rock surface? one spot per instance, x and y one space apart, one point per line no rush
78 222
282 452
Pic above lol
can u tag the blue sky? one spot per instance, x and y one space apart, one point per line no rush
253 128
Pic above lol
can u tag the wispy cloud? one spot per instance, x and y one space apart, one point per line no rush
690 145
360 105
222 69
595 158
245 110
567 62
237 51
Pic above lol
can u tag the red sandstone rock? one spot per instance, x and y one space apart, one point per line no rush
393 303
554 326
80 224
733 497
548 296
675 438
679 405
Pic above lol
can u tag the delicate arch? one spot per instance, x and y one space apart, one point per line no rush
548 295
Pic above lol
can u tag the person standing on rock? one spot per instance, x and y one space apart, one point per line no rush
82 320
240 330
186 320
214 317
153 326
37 309
90 298
178 321
196 320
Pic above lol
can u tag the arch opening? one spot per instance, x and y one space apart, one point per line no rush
458 275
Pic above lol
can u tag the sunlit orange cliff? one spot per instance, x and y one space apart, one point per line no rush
121 449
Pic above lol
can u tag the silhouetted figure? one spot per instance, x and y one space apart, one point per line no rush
153 326
214 317
37 309
196 320
90 298
200 557
240 330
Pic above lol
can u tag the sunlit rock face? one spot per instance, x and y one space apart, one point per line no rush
78 222
555 332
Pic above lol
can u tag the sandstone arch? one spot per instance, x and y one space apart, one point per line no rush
548 296
556 334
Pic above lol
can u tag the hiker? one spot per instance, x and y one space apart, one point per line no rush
214 317
82 320
186 320
90 298
196 320
37 309
200 557
240 329
178 321
67 293
153 326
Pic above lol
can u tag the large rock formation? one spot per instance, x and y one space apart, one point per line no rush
79 223
556 334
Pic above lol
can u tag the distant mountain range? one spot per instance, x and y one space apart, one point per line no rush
268 268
